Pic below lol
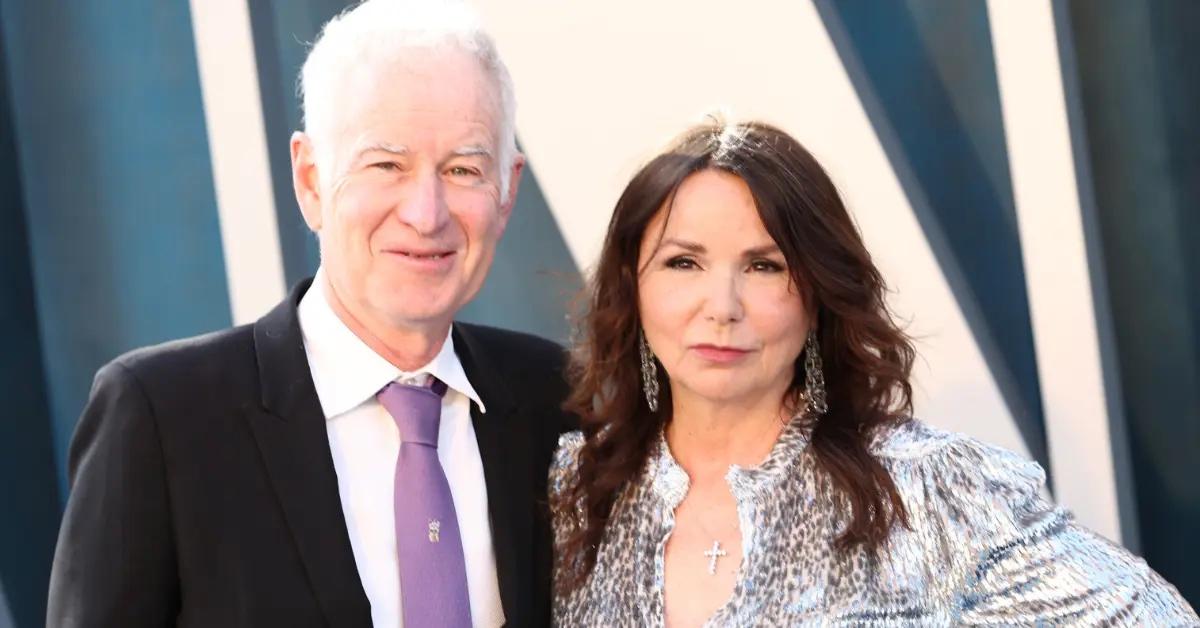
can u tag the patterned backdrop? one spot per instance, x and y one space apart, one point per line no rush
1026 174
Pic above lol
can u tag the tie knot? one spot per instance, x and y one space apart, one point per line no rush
417 410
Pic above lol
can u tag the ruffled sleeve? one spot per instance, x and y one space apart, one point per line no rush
565 462
1013 557
562 474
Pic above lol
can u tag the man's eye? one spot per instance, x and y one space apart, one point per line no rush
386 166
463 171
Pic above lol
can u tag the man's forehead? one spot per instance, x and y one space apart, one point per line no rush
453 105
424 75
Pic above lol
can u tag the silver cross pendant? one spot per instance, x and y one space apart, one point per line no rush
713 555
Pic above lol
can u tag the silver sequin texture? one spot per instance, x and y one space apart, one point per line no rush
984 548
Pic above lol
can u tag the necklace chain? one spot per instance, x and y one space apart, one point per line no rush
716 552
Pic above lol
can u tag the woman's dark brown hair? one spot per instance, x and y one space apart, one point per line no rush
867 357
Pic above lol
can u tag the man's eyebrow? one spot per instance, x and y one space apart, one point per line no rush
385 147
472 150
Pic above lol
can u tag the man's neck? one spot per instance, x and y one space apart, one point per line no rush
406 348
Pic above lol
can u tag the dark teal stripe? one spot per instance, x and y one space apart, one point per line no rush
533 278
926 76
1101 295
28 485
1135 65
283 29
114 163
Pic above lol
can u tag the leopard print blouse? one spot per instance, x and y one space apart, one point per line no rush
982 547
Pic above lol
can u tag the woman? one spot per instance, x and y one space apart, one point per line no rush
746 454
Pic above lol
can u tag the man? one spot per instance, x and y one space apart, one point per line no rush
353 457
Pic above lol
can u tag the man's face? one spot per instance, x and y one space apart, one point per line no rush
409 220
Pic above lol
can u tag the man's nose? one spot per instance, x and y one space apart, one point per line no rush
723 298
424 207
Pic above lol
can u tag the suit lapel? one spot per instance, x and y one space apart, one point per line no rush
507 468
292 438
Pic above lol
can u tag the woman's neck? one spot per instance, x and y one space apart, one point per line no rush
707 436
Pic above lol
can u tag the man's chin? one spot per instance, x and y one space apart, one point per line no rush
420 311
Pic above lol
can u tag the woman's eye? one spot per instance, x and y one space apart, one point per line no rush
765 266
681 263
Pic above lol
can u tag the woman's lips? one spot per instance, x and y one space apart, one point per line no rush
719 354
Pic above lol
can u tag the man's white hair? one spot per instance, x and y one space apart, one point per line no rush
376 32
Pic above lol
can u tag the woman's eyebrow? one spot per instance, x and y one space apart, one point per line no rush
763 250
694 247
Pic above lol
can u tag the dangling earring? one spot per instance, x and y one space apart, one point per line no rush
649 373
814 376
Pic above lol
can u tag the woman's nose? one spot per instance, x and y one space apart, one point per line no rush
723 299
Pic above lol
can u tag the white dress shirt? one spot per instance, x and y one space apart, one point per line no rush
365 441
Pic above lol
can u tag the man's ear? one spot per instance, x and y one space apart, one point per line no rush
306 180
514 183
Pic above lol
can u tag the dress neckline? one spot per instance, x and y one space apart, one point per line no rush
670 482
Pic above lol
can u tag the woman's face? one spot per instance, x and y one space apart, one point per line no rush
715 295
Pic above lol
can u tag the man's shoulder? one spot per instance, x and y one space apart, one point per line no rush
525 367
224 353
506 347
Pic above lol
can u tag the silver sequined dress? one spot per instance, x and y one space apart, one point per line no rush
984 548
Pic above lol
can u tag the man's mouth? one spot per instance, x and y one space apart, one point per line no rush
426 255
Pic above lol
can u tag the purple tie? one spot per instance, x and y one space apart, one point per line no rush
433 573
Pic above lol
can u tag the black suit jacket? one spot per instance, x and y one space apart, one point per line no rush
204 493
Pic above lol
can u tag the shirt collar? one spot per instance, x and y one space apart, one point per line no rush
346 372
